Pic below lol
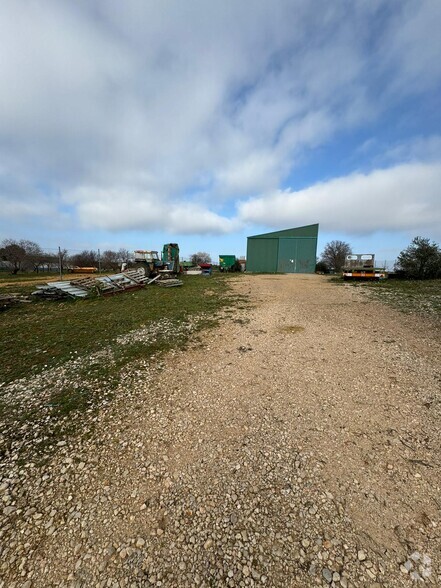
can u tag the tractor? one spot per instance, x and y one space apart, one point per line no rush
153 265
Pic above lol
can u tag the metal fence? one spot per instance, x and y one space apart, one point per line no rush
388 264
61 260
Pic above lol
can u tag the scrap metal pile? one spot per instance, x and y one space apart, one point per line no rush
106 285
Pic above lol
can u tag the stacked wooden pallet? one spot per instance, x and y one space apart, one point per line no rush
8 300
137 275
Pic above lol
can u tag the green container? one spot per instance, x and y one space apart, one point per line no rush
226 262
170 256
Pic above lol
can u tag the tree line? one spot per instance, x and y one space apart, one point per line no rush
24 255
420 260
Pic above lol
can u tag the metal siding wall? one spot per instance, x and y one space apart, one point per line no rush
262 255
296 255
306 251
287 258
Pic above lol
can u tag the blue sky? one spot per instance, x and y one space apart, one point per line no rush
132 124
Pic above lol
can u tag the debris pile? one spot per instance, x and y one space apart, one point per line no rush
8 300
169 283
193 271
60 290
128 280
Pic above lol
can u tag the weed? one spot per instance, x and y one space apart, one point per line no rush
291 329
41 335
409 296
64 359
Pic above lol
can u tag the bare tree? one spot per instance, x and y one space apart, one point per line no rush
114 259
334 254
35 256
14 254
22 254
85 259
110 260
124 255
200 257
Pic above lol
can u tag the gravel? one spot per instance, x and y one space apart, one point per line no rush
258 456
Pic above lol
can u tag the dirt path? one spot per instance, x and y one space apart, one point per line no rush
296 445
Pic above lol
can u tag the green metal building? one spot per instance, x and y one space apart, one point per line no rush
291 251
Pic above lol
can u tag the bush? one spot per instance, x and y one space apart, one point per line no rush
322 267
236 267
421 260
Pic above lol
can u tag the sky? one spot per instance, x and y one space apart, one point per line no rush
137 123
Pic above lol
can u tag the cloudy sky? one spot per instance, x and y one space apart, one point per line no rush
135 123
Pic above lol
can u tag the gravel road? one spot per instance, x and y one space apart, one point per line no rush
296 445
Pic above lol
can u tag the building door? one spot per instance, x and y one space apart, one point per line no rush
287 258
296 255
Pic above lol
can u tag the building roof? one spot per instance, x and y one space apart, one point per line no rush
306 231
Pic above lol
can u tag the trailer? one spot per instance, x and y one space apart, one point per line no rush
82 270
361 266
226 262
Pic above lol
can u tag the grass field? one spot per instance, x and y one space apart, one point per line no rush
409 296
61 360
25 277
43 334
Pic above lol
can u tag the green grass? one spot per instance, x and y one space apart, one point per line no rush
93 345
6 277
43 334
409 296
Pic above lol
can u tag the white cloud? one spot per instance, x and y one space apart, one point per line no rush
411 47
118 208
160 101
21 208
19 200
402 198
422 149
257 171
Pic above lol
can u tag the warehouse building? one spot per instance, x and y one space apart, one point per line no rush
291 251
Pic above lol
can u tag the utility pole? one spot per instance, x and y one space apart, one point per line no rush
59 263
99 261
